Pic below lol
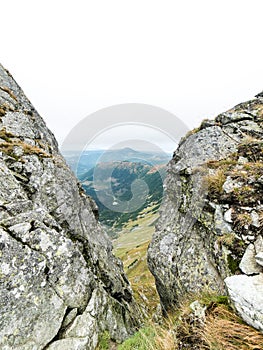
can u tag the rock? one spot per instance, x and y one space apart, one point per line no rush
199 311
259 258
210 193
246 294
230 184
221 226
70 317
60 285
259 95
248 264
242 160
228 215
158 315
259 244
255 219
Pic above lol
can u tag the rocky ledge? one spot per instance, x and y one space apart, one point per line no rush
209 235
60 285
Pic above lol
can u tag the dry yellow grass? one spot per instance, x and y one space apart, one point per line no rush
8 147
214 182
2 112
224 330
142 281
9 92
165 340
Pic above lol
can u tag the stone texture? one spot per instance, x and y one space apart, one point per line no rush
222 226
259 258
60 285
210 212
246 293
259 245
199 311
248 264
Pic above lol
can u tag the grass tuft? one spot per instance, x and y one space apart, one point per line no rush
141 340
104 341
8 148
214 182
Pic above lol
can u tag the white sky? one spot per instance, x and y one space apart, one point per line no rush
119 135
193 58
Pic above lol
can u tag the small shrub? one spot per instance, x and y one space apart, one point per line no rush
248 139
243 219
5 135
104 341
233 263
228 239
244 195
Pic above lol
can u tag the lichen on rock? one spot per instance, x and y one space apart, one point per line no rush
211 225
60 285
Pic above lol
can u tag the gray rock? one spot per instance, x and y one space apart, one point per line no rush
248 264
203 246
259 95
199 311
255 219
259 244
228 215
60 285
242 160
70 317
246 294
221 226
259 258
230 184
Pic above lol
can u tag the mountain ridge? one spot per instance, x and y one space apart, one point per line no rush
113 188
82 161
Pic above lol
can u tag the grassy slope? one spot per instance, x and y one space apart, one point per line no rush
222 329
131 247
119 176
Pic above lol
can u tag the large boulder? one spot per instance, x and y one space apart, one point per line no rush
246 293
211 219
60 285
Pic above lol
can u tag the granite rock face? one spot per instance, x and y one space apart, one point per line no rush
211 219
60 285
246 293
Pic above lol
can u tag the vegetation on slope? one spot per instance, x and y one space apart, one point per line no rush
221 328
118 177
131 247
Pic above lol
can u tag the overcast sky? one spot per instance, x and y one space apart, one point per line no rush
193 58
